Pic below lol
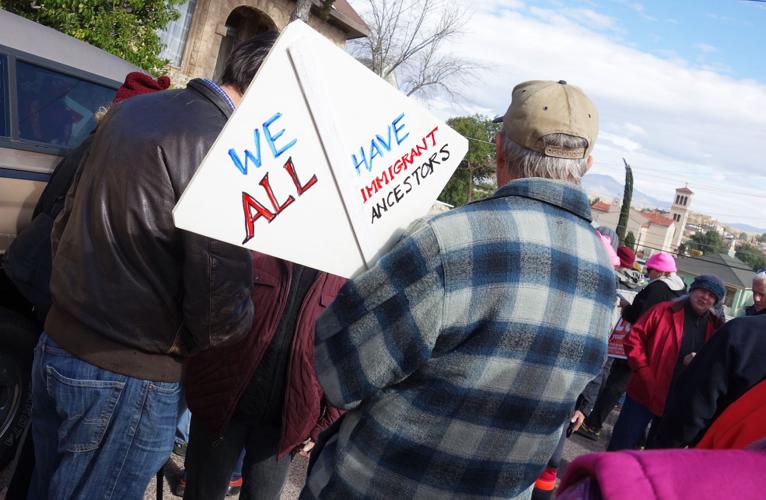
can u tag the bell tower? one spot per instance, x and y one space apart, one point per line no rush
679 213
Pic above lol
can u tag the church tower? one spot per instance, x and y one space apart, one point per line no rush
679 213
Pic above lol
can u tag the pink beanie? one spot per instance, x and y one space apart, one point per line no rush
606 242
662 262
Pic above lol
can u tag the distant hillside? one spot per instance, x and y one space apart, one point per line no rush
746 228
607 188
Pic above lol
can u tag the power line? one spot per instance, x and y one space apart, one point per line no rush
656 172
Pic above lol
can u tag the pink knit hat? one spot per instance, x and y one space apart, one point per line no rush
662 262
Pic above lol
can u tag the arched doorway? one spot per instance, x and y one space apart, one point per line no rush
243 23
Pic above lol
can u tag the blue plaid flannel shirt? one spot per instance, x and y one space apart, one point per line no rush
462 351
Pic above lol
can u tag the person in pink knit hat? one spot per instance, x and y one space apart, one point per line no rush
664 285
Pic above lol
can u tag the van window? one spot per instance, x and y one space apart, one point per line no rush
4 99
55 108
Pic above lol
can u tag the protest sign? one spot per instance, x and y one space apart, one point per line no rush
323 163
616 348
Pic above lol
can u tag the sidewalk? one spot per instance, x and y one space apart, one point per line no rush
575 446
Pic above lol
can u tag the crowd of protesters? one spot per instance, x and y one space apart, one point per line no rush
457 366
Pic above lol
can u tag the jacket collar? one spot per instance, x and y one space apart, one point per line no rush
677 307
202 87
561 194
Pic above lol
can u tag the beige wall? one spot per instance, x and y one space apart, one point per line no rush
657 237
208 27
610 220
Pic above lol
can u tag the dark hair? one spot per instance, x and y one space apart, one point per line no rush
246 58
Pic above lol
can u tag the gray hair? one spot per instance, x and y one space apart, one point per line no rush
760 276
523 162
101 112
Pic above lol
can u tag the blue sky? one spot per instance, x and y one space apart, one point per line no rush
726 35
680 87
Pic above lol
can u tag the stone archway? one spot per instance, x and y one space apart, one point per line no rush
242 24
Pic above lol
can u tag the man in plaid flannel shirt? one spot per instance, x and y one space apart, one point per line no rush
461 353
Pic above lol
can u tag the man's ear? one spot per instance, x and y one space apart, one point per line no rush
501 169
499 150
588 164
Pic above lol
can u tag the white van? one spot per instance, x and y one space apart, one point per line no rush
51 85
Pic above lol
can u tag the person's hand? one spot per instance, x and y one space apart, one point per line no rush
624 302
306 448
577 419
688 358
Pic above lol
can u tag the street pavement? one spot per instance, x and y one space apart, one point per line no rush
575 446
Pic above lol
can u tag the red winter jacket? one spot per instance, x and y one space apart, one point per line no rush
652 349
215 379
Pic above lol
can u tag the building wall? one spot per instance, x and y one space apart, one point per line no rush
657 238
610 220
208 28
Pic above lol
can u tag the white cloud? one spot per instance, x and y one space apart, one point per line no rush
640 9
634 129
706 48
591 18
621 142
718 17
514 4
677 120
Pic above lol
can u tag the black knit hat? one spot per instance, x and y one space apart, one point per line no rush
711 283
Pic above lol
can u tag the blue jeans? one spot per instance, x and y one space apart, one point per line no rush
631 426
184 421
97 434
211 459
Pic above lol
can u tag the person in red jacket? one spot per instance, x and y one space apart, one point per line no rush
660 344
261 394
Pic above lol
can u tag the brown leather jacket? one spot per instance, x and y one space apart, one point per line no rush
131 293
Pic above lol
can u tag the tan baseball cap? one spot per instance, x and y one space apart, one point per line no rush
539 108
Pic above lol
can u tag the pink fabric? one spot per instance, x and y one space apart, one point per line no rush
663 262
666 474
607 242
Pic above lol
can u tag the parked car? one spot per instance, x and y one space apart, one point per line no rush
51 86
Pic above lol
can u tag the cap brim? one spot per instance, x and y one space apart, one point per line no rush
498 119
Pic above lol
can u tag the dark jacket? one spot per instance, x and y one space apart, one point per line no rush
658 290
750 311
652 348
131 293
28 259
730 364
741 424
215 379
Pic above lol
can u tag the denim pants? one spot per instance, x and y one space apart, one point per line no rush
210 461
97 434
184 421
610 393
631 426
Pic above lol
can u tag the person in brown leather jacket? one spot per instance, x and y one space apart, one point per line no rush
132 296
